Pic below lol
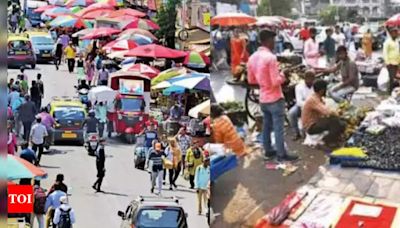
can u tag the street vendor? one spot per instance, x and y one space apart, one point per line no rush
349 72
317 118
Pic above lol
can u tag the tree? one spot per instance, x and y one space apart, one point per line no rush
327 16
264 9
166 19
274 8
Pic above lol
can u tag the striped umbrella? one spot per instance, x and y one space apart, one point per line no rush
70 22
145 24
196 60
139 31
137 38
112 2
71 3
54 12
120 45
43 8
75 9
18 168
149 71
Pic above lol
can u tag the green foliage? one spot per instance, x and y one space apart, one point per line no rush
327 16
281 7
166 19
263 9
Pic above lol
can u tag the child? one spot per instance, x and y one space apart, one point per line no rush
81 70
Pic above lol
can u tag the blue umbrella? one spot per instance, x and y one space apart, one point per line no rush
129 60
138 38
192 81
174 89
48 14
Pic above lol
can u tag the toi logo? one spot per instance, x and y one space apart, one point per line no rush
20 199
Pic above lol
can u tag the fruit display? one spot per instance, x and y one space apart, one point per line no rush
352 116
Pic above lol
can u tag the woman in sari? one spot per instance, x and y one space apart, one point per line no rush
238 51
367 43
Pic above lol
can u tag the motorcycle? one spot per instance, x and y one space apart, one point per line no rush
92 143
83 95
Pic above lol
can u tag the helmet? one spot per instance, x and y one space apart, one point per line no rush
91 113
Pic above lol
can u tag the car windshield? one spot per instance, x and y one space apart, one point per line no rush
160 218
42 40
18 45
69 113
131 105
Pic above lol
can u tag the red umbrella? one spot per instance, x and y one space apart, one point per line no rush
138 31
100 32
43 8
95 6
142 24
126 12
232 19
120 45
394 20
149 71
155 51
96 14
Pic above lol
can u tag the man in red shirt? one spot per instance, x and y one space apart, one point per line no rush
304 33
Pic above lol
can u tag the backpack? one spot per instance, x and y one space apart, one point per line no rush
39 202
65 220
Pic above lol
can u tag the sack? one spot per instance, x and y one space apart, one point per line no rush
383 80
167 164
39 202
186 174
65 220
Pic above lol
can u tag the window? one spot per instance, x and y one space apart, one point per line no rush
69 113
162 218
45 40
131 105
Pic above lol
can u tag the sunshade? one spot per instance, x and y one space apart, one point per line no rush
70 22
71 3
196 60
117 55
203 108
18 168
76 9
102 93
142 24
126 12
149 71
112 2
167 74
156 51
57 2
137 38
163 85
54 12
192 81
93 14
173 89
139 31
269 21
393 21
128 61
100 32
232 19
83 32
41 9
95 7
120 45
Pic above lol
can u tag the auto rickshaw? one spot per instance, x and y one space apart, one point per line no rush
132 103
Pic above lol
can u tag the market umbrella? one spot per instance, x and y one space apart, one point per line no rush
192 81
57 2
83 32
137 38
102 93
127 12
120 45
269 21
112 2
167 74
203 108
142 24
71 3
232 19
149 71
155 51
117 55
196 60
70 22
75 9
43 8
93 14
174 89
100 32
54 12
138 31
393 21
95 7
18 168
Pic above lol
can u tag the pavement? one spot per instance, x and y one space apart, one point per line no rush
122 182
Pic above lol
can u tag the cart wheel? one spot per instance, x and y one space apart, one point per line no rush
130 138
252 103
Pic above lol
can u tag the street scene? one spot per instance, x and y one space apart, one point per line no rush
108 113
304 85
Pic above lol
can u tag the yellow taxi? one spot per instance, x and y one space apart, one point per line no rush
43 45
20 51
69 115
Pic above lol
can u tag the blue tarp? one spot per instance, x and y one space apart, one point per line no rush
221 164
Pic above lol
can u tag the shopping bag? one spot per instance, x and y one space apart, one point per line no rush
383 80
186 174
167 163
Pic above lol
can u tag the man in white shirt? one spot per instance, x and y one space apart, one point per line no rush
38 133
339 37
311 49
64 215
303 91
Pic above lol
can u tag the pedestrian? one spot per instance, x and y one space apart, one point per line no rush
103 76
13 97
39 205
59 182
35 95
184 142
10 84
302 91
27 112
304 33
271 96
238 51
391 55
64 215
15 109
12 146
311 50
22 72
89 68
253 39
339 37
219 48
70 55
367 41
91 123
27 153
101 115
201 180
194 158
168 165
156 157
48 121
64 39
14 21
58 53
52 203
23 84
329 47
100 166
176 159
149 136
38 135
40 84
81 69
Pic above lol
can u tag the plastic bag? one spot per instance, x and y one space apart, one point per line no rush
383 80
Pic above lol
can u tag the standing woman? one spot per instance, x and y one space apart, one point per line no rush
176 159
367 41
58 53
89 70
238 51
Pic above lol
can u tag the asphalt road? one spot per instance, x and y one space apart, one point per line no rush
122 182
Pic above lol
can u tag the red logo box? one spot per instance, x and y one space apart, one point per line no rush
20 199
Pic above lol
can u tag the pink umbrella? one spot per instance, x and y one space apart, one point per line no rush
142 24
155 51
138 31
100 32
96 13
127 12
43 8
94 7
120 45
394 20
149 71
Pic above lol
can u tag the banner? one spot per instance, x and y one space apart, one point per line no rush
206 18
